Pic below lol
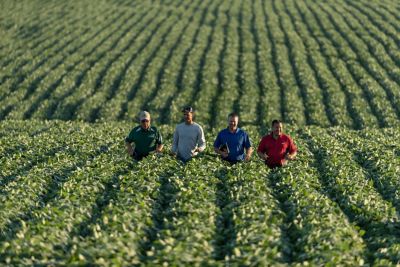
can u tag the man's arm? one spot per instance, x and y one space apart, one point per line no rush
217 144
201 140
291 155
129 148
159 148
249 152
248 147
262 155
224 154
261 151
159 140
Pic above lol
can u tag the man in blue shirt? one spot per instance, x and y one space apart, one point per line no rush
232 142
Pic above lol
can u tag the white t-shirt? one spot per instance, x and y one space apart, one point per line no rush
188 137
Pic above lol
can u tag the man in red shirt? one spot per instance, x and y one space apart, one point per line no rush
276 148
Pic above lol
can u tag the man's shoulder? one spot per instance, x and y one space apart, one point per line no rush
136 129
267 136
153 129
198 126
180 125
286 137
241 131
223 131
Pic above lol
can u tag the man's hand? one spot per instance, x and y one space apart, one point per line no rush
224 154
247 158
265 156
289 157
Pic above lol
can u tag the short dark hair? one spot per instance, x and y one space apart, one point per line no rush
275 121
233 114
187 109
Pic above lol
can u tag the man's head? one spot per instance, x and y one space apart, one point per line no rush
188 114
144 119
276 128
233 120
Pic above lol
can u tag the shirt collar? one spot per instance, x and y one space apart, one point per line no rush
229 131
143 130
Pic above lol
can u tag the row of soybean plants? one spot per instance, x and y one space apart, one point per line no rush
54 184
41 164
378 154
106 64
379 44
292 106
315 108
21 59
19 28
85 202
52 66
151 86
335 71
196 68
380 67
249 101
357 192
383 17
88 204
339 35
113 39
331 99
219 62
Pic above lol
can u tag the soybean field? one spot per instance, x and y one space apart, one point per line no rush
74 75
70 196
306 62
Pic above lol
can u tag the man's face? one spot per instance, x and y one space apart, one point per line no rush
233 123
277 129
145 124
188 116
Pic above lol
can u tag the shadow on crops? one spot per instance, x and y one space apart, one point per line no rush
26 167
356 118
259 72
160 75
349 64
311 62
376 234
225 233
289 231
52 191
275 63
161 212
134 89
220 74
240 64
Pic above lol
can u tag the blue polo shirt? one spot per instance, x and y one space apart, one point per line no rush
236 142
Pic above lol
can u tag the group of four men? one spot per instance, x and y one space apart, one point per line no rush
232 143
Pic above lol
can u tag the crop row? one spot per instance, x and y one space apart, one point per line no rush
70 195
301 61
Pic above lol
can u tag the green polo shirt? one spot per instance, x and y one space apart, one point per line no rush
145 140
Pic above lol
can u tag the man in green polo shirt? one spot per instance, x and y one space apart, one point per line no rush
145 138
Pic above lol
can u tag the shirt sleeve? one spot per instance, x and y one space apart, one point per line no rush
261 146
175 140
201 140
292 147
129 138
159 139
247 142
217 142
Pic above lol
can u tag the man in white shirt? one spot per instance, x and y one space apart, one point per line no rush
188 138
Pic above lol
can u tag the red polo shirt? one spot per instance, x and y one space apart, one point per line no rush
276 149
